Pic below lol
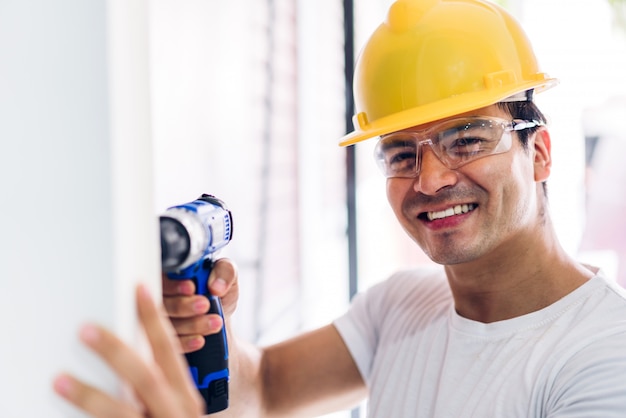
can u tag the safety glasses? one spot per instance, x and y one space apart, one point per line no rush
455 142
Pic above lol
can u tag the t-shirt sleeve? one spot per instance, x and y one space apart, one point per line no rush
362 325
593 382
358 330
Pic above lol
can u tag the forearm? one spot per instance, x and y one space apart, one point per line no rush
245 385
307 376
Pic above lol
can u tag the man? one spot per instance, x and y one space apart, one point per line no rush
511 326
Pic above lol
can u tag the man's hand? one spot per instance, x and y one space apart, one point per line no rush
162 386
188 310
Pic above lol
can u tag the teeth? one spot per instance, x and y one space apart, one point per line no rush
456 210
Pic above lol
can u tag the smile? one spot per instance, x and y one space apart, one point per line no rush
455 210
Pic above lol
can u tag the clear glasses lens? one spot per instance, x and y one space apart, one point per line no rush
455 142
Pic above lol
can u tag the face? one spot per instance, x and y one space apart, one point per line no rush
485 207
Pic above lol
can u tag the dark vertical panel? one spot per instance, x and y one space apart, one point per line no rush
348 7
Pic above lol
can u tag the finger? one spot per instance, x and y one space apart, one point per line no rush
91 400
165 347
186 306
146 381
191 343
173 287
223 277
200 325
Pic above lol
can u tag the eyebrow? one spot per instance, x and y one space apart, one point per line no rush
399 143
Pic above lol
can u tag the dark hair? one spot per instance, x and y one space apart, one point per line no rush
526 110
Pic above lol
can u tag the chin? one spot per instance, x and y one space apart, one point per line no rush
451 256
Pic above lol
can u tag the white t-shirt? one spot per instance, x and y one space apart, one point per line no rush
419 358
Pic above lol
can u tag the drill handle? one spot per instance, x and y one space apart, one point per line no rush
209 365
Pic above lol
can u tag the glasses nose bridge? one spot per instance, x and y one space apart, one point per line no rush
423 141
420 143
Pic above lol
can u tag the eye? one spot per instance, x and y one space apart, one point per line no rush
468 145
400 159
470 142
397 156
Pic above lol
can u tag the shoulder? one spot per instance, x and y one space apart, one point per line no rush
602 304
407 293
591 377
591 317
388 310
591 358
411 283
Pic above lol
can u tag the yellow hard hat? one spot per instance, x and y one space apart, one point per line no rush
432 59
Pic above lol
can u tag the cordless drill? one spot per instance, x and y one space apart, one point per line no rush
191 234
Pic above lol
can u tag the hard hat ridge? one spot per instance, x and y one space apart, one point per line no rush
406 13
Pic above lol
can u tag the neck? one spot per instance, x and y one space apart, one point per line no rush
518 278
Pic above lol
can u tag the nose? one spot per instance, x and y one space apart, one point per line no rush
434 175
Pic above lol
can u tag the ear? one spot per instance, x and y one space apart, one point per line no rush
543 154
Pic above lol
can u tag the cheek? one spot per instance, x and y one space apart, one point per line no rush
514 187
521 174
495 182
512 171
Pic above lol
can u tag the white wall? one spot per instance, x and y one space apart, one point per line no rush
248 105
78 227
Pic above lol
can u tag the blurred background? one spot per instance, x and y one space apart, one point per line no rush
111 105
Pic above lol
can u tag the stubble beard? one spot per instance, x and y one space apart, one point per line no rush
448 250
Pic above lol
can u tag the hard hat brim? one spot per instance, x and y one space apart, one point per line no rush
438 110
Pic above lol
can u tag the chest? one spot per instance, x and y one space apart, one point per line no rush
437 372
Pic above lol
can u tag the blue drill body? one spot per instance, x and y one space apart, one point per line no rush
191 234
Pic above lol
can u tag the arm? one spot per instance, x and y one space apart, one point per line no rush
309 375
305 376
